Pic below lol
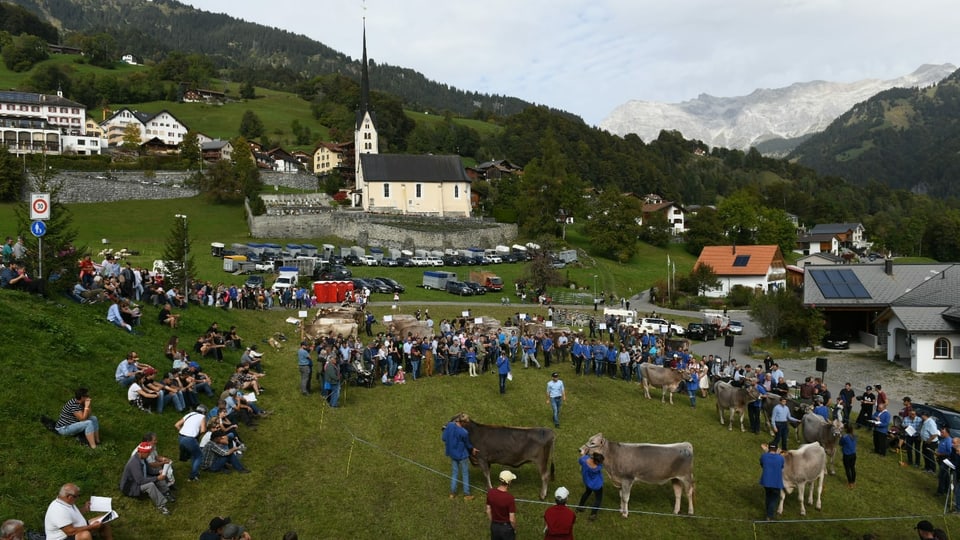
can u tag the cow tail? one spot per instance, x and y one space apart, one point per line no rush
552 475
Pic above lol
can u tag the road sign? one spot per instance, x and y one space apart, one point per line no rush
38 228
39 206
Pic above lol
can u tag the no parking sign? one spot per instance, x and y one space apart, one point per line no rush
39 206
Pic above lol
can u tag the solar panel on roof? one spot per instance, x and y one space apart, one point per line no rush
741 260
839 283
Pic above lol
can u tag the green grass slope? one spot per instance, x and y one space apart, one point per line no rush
375 468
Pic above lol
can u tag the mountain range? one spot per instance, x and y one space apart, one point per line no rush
778 118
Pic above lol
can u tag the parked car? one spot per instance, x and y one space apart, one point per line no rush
434 261
703 332
352 260
380 286
652 326
397 287
451 260
388 261
405 262
477 288
332 272
369 260
254 281
944 416
420 261
836 341
459 287
735 328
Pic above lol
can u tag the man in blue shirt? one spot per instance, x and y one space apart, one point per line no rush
754 407
781 419
305 364
547 345
456 442
881 426
771 478
820 408
944 448
503 369
556 395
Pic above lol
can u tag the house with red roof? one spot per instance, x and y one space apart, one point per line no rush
757 267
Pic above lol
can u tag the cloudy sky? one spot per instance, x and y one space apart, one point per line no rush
589 56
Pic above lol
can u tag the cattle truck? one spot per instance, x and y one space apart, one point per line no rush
488 280
437 279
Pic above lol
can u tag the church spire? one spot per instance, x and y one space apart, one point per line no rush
364 77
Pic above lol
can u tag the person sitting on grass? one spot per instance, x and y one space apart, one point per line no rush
167 317
76 418
139 396
221 451
115 317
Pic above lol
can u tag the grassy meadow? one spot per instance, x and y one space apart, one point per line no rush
375 467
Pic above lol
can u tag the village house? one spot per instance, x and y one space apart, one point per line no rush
761 268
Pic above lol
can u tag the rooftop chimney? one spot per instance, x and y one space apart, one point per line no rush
888 266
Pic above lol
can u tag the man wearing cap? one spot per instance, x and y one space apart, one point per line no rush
137 480
556 395
924 529
502 509
215 532
558 518
232 531
457 446
305 364
771 477
867 399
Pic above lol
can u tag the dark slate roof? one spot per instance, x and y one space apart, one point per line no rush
29 98
824 255
937 289
924 319
834 228
884 288
216 144
412 168
817 237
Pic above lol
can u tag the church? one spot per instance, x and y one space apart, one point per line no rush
423 185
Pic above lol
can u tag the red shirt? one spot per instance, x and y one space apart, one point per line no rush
501 504
560 520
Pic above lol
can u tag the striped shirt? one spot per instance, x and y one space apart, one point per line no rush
68 413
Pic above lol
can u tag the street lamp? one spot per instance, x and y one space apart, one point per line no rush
186 247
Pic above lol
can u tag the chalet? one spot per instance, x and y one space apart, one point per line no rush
850 235
162 126
216 150
810 244
283 161
909 310
494 170
304 159
129 59
673 212
757 267
202 95
403 184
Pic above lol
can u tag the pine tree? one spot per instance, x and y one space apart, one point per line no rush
177 256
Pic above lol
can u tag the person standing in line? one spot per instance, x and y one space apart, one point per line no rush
558 518
591 469
847 396
556 395
457 446
944 448
64 520
693 384
502 509
911 437
503 369
305 364
781 419
771 478
755 406
848 447
881 427
331 381
929 436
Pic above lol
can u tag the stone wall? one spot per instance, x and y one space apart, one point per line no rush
402 232
87 186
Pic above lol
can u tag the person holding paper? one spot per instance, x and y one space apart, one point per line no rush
911 433
64 520
944 447
137 480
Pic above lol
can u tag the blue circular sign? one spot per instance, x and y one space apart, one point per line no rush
38 228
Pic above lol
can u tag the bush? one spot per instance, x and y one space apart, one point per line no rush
740 296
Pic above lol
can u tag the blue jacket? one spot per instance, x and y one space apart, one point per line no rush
592 476
772 475
456 441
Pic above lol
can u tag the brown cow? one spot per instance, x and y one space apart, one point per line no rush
803 466
627 463
512 446
816 429
735 399
667 379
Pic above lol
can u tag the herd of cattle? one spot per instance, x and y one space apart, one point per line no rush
627 463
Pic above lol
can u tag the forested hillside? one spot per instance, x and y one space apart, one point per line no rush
248 52
904 138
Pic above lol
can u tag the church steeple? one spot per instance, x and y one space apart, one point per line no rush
365 140
364 76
